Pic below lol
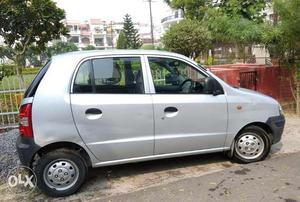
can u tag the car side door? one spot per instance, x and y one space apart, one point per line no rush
187 117
111 110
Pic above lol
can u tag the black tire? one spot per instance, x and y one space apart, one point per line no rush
57 155
260 133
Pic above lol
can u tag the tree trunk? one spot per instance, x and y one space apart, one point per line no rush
298 97
20 66
244 54
213 56
20 77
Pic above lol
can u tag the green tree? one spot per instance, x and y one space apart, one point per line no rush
122 41
6 70
23 23
238 31
60 47
131 34
32 56
192 9
89 47
148 47
234 22
6 52
286 46
248 9
196 9
188 37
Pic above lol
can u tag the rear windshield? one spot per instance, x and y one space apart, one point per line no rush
36 81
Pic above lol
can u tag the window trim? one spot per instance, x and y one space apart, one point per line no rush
150 77
31 90
143 66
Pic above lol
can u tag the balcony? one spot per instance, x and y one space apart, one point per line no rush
174 17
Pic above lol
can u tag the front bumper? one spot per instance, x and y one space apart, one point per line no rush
26 149
276 124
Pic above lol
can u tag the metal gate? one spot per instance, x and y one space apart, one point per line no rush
11 94
248 80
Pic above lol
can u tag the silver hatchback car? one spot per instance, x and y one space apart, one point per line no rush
99 108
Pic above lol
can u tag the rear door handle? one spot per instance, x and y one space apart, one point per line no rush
93 113
170 112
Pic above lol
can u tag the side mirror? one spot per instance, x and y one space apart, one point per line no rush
212 86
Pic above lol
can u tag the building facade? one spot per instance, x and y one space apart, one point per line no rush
102 34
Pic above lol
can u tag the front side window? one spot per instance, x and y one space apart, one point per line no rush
172 76
110 75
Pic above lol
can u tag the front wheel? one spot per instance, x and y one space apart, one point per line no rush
60 173
251 145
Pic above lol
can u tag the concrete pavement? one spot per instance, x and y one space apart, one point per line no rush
276 179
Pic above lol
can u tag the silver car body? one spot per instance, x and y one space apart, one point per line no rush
134 127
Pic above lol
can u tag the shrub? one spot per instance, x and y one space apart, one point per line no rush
7 70
30 70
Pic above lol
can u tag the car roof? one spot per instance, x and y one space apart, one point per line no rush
91 53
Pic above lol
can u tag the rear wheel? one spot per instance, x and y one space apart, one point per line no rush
60 172
251 145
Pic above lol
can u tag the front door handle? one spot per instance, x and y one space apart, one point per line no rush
170 112
93 113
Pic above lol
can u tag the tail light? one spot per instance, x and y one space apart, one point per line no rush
25 123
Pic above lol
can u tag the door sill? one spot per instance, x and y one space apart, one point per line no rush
159 156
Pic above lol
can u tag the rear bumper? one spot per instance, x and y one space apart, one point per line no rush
26 149
276 123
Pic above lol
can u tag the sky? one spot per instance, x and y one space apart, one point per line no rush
114 10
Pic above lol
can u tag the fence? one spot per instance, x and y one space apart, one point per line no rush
246 60
11 94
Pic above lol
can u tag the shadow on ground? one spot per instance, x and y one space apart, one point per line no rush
112 180
163 165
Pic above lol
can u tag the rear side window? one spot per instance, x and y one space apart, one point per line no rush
83 80
30 92
118 75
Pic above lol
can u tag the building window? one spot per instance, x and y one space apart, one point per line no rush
74 39
85 40
109 41
70 28
176 14
99 42
98 29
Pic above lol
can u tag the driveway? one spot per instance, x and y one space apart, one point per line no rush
124 179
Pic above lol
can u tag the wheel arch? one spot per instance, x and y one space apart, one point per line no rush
261 125
64 145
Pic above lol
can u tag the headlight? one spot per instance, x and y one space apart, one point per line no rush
280 109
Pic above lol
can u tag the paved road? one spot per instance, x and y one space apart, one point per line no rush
276 179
